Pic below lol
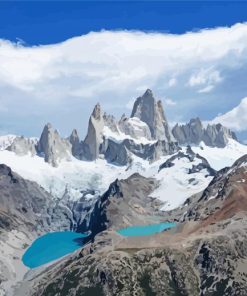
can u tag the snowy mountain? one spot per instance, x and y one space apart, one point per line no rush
134 170
115 149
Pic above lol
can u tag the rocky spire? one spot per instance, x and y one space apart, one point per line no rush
75 143
191 133
52 146
152 113
217 135
94 134
214 135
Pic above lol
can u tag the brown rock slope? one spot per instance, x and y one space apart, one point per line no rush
205 255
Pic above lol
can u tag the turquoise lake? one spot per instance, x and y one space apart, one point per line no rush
52 246
144 230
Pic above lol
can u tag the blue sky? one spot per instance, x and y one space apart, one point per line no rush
53 68
50 22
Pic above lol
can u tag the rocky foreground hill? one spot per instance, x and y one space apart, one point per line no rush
131 171
205 255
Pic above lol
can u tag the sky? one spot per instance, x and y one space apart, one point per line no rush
58 59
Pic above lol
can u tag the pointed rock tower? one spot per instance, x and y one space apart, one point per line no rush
94 134
148 110
75 143
52 146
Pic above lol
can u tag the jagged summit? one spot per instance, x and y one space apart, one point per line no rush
97 111
52 146
145 134
148 110
75 142
94 134
214 135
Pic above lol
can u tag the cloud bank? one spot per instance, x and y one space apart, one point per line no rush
235 119
203 72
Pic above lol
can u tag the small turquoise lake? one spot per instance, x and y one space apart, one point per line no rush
144 230
52 246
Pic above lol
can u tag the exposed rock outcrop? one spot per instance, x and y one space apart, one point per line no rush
94 134
22 146
214 135
115 152
53 147
126 202
110 122
192 157
26 211
152 113
27 205
147 133
75 144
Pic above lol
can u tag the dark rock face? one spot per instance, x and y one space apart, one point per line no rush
214 135
75 143
191 156
28 206
119 153
125 200
52 146
115 153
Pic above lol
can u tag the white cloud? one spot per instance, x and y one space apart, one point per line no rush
172 82
207 78
206 89
61 80
170 102
235 119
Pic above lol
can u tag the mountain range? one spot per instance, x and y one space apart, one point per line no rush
135 170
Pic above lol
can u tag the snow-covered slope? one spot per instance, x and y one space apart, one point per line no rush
6 141
177 182
219 158
76 176
71 176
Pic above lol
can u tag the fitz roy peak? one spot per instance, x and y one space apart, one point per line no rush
145 134
152 113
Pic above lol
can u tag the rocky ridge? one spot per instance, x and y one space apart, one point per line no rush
214 135
145 134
